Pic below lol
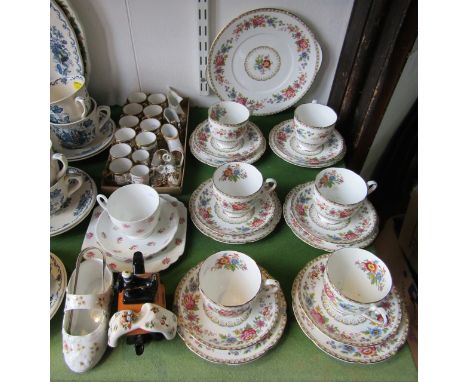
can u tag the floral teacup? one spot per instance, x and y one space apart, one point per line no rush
133 208
237 186
229 282
338 195
65 187
228 122
355 281
69 100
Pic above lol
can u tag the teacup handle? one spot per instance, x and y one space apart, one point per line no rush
103 109
270 185
272 284
81 102
74 188
62 158
102 201
378 311
371 186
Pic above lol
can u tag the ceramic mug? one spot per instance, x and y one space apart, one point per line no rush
355 281
157 99
132 109
55 171
125 135
140 157
69 100
120 150
81 133
228 123
119 169
150 124
237 186
171 136
229 283
139 174
146 140
63 189
134 209
129 121
313 125
136 97
338 195
153 111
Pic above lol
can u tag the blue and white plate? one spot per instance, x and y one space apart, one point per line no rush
77 207
58 283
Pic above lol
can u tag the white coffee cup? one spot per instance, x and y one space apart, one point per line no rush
141 157
157 99
146 140
150 124
69 100
132 109
136 97
139 174
153 111
125 135
120 150
119 168
129 121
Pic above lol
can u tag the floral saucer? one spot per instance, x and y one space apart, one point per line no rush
314 240
122 247
58 283
342 351
231 357
194 319
362 224
202 146
153 263
203 211
283 143
77 207
365 333
101 142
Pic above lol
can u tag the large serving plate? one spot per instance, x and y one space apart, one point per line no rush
65 56
265 59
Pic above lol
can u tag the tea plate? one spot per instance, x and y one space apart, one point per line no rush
364 333
77 207
65 55
153 263
121 247
100 143
252 146
194 319
342 351
240 356
315 241
265 59
362 224
58 283
202 207
283 143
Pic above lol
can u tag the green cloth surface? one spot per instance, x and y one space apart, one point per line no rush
294 357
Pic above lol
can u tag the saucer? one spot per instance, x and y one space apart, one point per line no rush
122 247
346 352
202 207
364 333
234 357
193 317
204 148
153 263
58 283
362 224
313 240
100 143
283 143
77 207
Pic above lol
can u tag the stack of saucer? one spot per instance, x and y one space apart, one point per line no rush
310 139
236 206
345 303
332 212
229 311
227 136
136 218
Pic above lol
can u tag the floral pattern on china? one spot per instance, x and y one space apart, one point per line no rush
330 179
374 271
233 173
231 262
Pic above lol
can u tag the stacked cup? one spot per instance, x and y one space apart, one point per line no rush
75 117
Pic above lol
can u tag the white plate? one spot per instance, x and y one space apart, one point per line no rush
77 207
283 143
266 59
121 247
100 143
58 283
153 263
234 357
346 352
65 55
251 149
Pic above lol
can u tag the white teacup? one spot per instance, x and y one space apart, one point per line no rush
157 99
120 150
229 282
141 157
132 109
313 125
55 171
355 281
129 121
153 111
134 209
69 100
228 122
146 140
125 135
63 189
237 186
119 169
150 124
338 195
136 97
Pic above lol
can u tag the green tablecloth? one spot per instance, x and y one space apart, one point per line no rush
295 357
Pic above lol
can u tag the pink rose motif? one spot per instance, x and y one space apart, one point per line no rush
345 213
90 254
300 210
289 92
89 235
178 241
191 316
112 266
302 44
189 302
282 136
317 316
241 100
351 236
328 292
166 260
125 225
219 60
258 21
248 334
257 222
260 323
266 311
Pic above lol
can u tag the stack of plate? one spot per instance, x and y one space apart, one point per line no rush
230 345
348 338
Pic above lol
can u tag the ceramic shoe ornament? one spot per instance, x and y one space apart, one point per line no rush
84 329
151 318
